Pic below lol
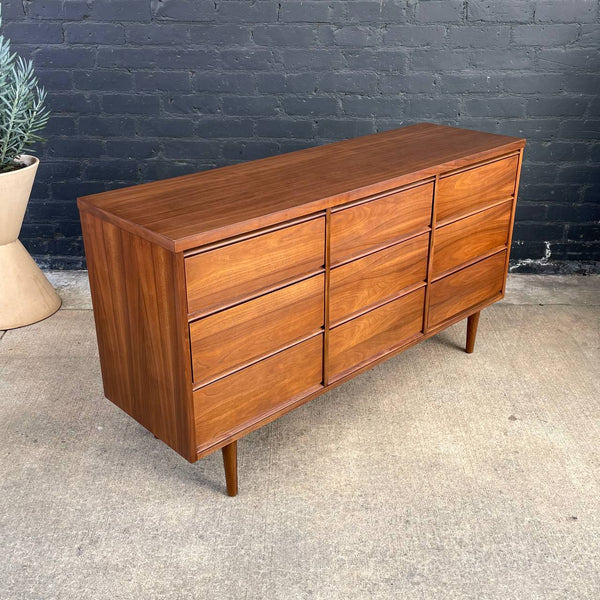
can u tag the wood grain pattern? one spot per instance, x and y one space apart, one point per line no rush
360 228
472 323
232 337
243 269
468 238
476 188
234 402
378 331
465 288
231 471
370 280
189 211
135 294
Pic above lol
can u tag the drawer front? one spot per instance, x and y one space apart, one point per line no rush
357 285
466 288
242 269
468 238
364 338
360 228
232 337
478 187
254 393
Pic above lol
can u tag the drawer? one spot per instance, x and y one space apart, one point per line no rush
360 228
372 334
231 273
471 237
252 394
367 281
227 339
466 288
476 188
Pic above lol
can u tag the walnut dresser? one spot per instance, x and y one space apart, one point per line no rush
226 298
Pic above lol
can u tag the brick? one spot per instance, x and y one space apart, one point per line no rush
239 83
130 104
105 126
341 129
55 57
538 231
94 33
513 11
465 83
413 83
573 213
434 11
555 105
417 36
378 107
313 59
99 79
251 60
55 80
59 126
353 36
184 10
532 83
544 35
439 60
71 102
530 212
348 82
132 149
284 128
173 81
220 35
33 33
156 34
315 105
555 59
225 127
73 147
247 12
249 150
295 36
166 127
73 10
250 105
586 129
566 11
589 35
470 36
111 170
305 12
192 103
191 149
495 107
373 11
503 60
120 10
589 232
426 109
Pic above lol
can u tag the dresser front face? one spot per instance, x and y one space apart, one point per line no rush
278 315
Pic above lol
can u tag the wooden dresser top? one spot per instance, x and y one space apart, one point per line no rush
192 210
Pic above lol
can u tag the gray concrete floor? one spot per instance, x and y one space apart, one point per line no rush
435 475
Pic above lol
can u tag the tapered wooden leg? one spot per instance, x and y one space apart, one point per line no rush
472 323
230 464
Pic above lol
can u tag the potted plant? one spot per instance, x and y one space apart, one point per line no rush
26 296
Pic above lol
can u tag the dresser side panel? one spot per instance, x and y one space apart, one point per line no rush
137 290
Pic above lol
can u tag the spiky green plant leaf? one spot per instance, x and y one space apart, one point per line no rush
22 110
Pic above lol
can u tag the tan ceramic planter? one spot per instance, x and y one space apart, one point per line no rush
26 296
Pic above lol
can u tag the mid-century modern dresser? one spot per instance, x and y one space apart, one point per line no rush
226 298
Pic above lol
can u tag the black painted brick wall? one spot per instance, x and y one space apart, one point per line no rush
142 90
